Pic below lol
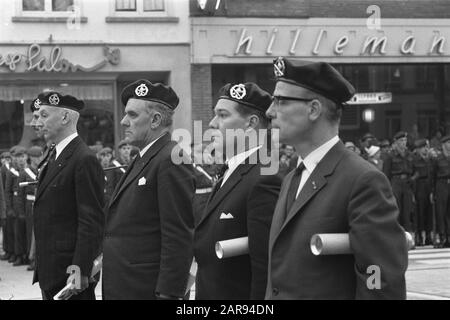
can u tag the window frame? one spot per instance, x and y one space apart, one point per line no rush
140 10
47 11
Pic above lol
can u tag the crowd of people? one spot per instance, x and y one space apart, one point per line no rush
149 217
419 172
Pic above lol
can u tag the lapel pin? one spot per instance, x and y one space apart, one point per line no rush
314 185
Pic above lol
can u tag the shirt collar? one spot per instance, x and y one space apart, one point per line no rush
239 158
143 151
317 155
64 143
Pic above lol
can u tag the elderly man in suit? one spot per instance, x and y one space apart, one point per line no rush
332 190
147 249
68 209
242 202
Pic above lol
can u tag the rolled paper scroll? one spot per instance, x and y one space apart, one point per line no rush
232 248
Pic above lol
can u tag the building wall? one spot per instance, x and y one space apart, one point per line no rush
202 102
324 8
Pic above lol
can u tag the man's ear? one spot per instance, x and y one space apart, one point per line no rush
253 121
315 110
156 120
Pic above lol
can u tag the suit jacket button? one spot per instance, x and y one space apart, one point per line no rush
275 291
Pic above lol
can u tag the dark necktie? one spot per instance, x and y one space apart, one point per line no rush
219 181
50 159
293 187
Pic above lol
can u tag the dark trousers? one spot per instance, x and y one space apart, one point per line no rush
29 231
9 234
404 196
20 236
88 294
424 213
443 206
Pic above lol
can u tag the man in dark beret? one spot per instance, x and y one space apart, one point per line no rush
332 190
123 156
398 168
242 202
441 172
147 248
423 181
68 209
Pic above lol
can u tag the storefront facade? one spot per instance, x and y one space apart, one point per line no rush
406 59
93 61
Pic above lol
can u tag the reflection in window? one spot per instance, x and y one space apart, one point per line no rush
33 5
153 5
125 5
62 5
96 122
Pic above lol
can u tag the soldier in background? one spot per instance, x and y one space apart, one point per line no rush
398 168
366 143
35 155
422 177
18 206
11 175
204 179
442 177
112 176
123 155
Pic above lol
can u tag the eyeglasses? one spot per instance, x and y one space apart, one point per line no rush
279 99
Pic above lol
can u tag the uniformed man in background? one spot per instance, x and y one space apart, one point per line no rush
422 177
398 168
442 178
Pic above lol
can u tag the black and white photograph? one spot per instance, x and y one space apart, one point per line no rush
232 151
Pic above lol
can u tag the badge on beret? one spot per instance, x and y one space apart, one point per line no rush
279 67
37 104
54 99
238 91
141 90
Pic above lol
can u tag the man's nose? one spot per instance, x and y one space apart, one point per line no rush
270 113
213 123
124 122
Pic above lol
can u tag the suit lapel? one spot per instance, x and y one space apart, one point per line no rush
59 164
225 190
136 168
316 181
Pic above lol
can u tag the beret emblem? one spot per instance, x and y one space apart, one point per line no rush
238 91
141 90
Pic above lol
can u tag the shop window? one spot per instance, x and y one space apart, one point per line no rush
47 6
140 6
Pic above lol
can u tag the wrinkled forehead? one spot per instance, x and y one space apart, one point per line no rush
136 105
291 90
49 109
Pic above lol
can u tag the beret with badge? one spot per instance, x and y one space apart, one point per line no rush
400 135
35 105
55 99
248 94
17 151
105 151
319 77
420 143
145 90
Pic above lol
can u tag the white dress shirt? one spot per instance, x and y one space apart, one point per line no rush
143 151
312 160
64 143
235 161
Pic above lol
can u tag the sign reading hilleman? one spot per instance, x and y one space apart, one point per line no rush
54 63
371 45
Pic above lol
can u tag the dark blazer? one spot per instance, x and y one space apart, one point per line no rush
148 238
250 198
2 200
68 217
344 194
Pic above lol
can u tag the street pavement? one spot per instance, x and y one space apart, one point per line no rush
427 278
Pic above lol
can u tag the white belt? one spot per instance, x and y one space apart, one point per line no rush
31 197
204 190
